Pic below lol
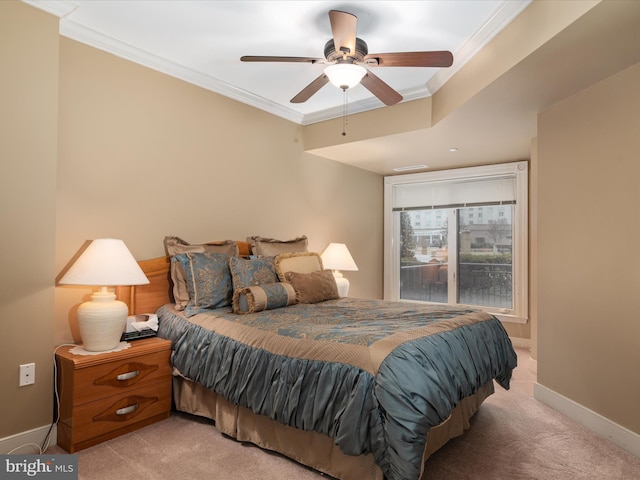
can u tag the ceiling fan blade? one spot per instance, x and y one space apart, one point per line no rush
343 27
306 93
442 58
255 58
384 92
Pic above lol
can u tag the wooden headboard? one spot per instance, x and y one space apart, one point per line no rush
159 291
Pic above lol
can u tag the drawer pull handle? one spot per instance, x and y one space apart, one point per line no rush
128 375
129 409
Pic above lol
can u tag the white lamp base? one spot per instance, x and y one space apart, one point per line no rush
102 321
342 283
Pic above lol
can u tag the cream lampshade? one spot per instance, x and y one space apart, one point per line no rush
106 262
336 257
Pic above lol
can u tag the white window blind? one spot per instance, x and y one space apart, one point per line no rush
455 193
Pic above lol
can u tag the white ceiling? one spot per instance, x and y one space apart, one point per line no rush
202 41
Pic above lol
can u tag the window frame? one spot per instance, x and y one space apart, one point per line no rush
391 288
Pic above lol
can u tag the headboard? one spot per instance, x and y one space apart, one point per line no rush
159 291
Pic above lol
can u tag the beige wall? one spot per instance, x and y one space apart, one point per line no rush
143 155
28 126
588 260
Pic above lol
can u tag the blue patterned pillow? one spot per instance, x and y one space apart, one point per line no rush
252 272
265 297
208 280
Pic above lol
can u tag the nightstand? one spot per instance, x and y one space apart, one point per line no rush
106 395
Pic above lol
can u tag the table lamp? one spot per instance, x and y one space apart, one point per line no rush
106 262
336 257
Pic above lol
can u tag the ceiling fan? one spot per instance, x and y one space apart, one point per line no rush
347 55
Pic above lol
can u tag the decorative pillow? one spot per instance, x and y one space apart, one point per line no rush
313 287
175 246
208 280
252 272
301 262
270 247
265 297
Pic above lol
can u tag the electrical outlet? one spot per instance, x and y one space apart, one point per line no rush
27 374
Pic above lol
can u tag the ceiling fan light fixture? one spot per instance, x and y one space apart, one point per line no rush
345 75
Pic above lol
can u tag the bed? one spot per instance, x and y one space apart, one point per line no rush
357 389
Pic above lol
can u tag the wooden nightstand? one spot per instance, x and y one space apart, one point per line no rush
106 395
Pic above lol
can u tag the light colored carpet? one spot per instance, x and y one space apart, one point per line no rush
513 437
184 447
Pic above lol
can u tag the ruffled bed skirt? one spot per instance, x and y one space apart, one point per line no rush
307 447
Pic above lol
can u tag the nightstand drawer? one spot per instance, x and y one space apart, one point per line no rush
112 378
120 411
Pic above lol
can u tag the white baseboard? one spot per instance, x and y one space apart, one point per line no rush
621 436
25 442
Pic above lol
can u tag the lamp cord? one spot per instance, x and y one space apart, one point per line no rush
47 438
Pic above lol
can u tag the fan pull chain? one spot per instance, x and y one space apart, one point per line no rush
344 114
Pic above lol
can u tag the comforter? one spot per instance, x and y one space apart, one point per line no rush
373 375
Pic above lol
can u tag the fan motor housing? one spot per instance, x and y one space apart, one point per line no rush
358 56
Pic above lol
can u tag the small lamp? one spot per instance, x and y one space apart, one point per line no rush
336 257
105 262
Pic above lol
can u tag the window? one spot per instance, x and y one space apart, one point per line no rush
475 255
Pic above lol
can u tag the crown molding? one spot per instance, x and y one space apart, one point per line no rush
507 11
338 111
87 36
82 34
498 21
57 8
